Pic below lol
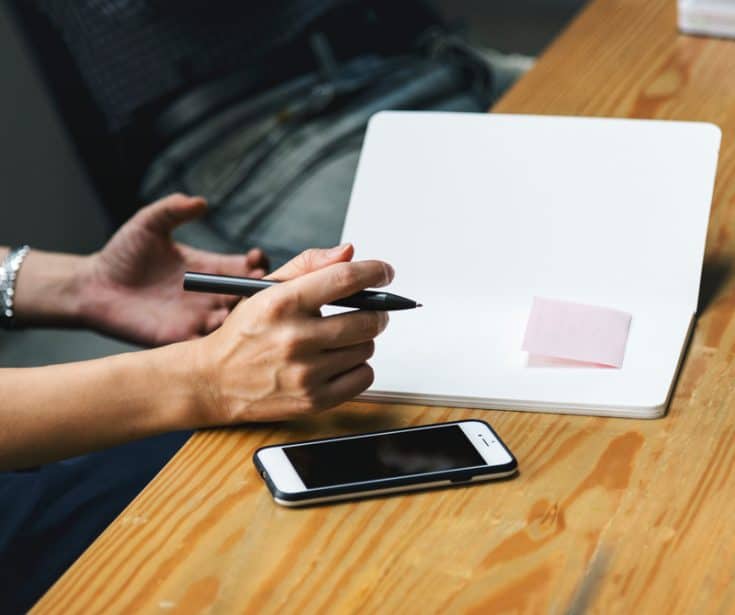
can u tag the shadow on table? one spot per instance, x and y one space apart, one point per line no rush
413 492
347 419
715 274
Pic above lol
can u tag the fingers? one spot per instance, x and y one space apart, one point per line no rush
312 260
333 363
214 320
257 260
169 212
346 386
346 329
251 265
313 290
254 264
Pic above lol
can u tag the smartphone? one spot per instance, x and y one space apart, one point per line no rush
362 465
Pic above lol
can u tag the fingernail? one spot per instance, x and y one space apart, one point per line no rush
337 250
383 320
389 273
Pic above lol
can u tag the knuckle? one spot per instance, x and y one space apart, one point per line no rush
299 265
314 400
290 340
333 334
276 305
303 263
308 258
148 212
302 378
345 276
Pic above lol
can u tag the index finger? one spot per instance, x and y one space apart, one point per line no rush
338 281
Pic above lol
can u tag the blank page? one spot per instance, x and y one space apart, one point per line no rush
480 213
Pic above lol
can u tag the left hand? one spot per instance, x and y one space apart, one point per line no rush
134 284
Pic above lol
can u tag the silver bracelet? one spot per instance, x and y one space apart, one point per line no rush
8 274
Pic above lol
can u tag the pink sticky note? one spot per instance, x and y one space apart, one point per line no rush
577 332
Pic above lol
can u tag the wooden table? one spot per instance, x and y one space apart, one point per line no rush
639 513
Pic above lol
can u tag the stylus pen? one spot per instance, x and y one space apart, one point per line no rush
246 287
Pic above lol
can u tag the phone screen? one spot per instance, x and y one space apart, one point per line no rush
375 457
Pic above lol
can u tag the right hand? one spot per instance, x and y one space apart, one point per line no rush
276 357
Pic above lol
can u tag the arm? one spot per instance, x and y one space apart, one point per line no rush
58 411
273 358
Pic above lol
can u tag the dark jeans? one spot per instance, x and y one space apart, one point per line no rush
50 514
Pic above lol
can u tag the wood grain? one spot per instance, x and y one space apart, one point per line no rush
647 505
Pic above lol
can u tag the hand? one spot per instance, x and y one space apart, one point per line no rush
134 284
276 357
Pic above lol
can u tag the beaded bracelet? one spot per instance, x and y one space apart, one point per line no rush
8 274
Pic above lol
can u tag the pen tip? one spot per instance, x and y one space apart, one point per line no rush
419 305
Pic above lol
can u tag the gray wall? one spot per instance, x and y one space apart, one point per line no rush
512 26
47 200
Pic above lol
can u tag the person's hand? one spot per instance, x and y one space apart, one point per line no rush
133 287
276 357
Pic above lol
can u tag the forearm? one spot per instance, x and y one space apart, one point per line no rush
49 413
50 289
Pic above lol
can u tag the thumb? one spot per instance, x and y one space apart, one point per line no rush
164 215
312 260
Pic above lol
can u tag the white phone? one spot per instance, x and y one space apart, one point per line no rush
361 465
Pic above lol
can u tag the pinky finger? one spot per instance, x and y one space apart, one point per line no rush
215 319
227 301
347 385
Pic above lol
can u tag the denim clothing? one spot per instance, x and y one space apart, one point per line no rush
280 177
49 515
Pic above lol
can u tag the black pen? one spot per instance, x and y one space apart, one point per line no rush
246 287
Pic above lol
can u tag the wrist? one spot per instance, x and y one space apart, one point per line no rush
49 289
204 388
200 363
97 296
176 399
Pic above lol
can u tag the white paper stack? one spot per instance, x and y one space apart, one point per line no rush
707 17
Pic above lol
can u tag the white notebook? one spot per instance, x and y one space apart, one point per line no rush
707 17
480 213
